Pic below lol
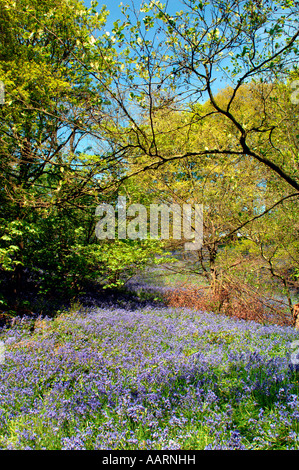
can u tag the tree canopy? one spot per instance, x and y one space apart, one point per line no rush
194 106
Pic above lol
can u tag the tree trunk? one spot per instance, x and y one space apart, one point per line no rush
296 316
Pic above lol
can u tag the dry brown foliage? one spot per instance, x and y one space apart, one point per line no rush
233 299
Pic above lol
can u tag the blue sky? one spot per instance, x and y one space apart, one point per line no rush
115 11
113 6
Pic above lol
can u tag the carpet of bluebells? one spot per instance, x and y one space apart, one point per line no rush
153 378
